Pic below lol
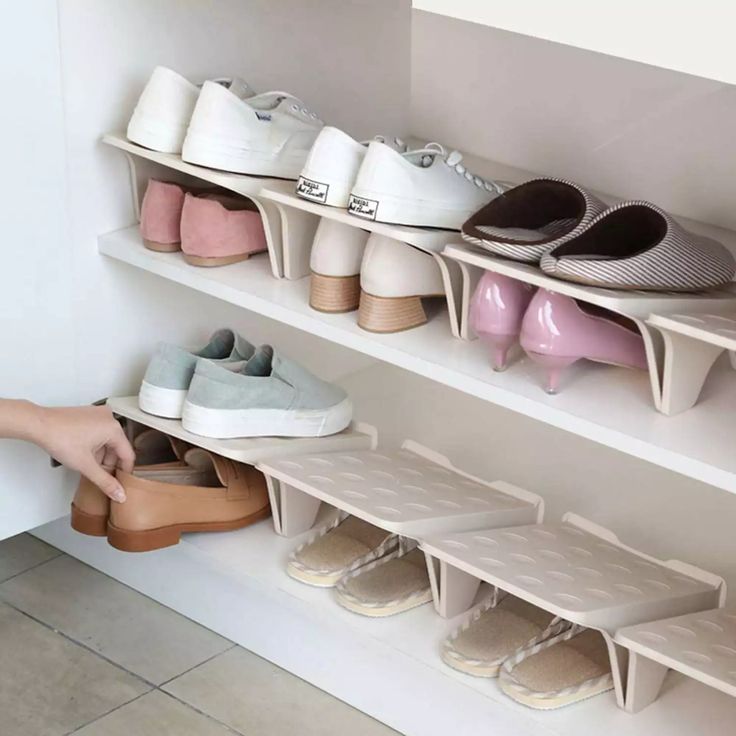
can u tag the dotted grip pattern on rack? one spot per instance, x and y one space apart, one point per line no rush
412 492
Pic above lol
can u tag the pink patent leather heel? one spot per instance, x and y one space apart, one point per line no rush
554 365
496 313
556 332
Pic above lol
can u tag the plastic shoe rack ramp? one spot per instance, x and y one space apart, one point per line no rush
576 570
412 491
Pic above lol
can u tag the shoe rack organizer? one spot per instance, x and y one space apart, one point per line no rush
692 343
290 222
700 645
637 306
358 436
412 492
140 168
576 570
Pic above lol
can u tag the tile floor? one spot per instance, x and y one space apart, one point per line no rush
83 654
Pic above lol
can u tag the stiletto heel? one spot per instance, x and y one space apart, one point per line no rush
554 365
499 346
496 312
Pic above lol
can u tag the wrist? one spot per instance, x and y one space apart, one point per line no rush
23 420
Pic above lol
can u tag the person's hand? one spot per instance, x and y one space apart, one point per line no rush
90 440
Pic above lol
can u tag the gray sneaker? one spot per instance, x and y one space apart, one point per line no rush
269 396
170 370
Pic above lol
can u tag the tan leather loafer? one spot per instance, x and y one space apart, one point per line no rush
91 507
210 493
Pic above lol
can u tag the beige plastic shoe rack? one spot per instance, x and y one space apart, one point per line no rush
576 570
700 645
290 222
692 343
412 492
669 394
249 450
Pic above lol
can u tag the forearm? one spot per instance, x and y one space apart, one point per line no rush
21 420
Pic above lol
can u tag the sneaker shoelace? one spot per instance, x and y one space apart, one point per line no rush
454 161
396 143
296 104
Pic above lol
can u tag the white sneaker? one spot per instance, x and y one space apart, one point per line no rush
426 187
270 134
332 165
163 110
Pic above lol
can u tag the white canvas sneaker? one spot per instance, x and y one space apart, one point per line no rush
332 166
163 110
270 134
426 188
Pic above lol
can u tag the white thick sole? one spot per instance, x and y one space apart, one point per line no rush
315 188
152 132
214 153
230 423
161 402
372 205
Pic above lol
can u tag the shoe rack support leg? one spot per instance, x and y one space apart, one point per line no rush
470 278
298 510
687 363
644 682
619 657
272 227
453 591
297 233
453 281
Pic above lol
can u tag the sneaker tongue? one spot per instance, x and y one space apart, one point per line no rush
239 87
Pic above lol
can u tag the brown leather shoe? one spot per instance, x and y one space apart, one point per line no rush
209 494
91 507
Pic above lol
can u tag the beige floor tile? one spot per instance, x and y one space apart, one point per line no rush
155 714
22 552
257 698
133 631
50 686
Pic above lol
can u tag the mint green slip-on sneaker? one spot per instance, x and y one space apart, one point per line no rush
269 396
170 370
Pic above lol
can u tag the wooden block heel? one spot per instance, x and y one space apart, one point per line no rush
390 314
334 293
216 260
129 540
162 247
90 524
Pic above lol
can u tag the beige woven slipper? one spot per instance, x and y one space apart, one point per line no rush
391 585
494 631
342 546
565 669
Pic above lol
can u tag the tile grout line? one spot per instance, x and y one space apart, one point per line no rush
103 715
202 713
33 567
194 667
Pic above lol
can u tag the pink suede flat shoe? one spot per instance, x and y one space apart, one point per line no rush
161 215
557 331
496 312
218 229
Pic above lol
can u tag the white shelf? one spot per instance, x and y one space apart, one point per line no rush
428 239
252 449
607 405
235 584
622 29
715 329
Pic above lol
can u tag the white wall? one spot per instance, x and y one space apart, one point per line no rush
621 127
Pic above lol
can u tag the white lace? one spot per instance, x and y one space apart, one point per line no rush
398 142
453 160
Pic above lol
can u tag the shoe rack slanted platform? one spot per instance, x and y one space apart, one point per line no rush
700 645
638 306
357 436
412 492
144 164
576 570
296 212
692 343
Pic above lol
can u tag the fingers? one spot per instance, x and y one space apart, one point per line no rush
106 482
119 444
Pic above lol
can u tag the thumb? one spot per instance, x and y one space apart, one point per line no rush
107 483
